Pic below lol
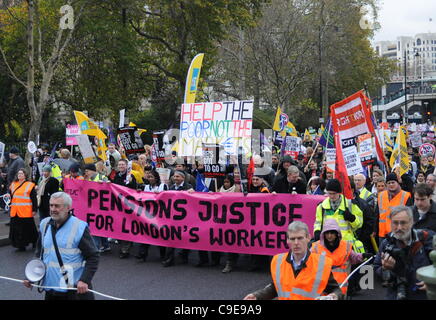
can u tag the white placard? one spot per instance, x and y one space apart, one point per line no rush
330 154
227 123
31 146
86 149
416 140
122 115
164 175
2 151
352 161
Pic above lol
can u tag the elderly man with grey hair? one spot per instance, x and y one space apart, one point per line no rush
299 274
402 252
293 183
66 247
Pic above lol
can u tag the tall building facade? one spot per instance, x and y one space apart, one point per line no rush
417 53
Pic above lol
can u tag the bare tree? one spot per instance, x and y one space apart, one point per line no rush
38 96
272 59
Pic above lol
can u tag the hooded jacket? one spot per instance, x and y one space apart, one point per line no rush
329 225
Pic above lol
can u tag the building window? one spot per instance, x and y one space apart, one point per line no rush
418 42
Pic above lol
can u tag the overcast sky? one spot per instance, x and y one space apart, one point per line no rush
405 18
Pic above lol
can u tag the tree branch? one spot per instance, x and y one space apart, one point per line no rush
161 40
168 73
11 72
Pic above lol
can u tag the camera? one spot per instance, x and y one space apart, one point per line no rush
398 281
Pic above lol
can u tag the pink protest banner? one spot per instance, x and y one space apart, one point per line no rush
228 222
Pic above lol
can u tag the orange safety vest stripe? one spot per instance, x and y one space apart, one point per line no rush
309 283
21 204
385 206
340 256
69 176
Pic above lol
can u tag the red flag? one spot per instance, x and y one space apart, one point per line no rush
250 172
341 171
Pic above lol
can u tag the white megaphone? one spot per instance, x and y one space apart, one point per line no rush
35 270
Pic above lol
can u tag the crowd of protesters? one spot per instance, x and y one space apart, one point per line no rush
363 221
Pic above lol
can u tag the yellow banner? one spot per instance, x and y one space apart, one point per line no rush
399 156
193 77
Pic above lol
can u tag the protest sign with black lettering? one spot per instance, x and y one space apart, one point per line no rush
131 140
226 222
352 161
291 146
213 167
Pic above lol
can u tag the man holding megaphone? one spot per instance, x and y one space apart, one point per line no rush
67 254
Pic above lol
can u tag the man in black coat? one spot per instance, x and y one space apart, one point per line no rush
292 183
123 178
424 210
47 185
15 164
178 185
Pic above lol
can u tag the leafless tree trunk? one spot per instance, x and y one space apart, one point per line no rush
38 101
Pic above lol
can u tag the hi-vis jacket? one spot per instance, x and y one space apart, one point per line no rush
309 284
324 212
68 238
21 203
340 258
384 208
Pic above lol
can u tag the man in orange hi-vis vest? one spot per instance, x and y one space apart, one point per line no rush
299 274
388 199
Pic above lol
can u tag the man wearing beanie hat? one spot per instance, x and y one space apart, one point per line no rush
348 216
91 173
47 185
15 164
386 200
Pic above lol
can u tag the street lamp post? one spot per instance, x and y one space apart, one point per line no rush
405 88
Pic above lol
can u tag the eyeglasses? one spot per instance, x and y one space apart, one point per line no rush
400 223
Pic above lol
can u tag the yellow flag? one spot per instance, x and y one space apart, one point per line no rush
307 133
276 125
140 131
101 145
192 78
290 129
399 155
388 142
86 125
320 131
